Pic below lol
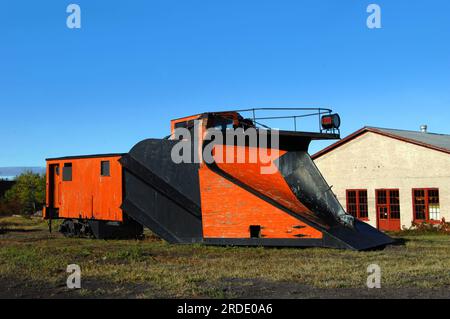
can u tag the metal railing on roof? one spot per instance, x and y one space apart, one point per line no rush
302 113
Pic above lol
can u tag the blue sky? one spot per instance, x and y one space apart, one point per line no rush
134 65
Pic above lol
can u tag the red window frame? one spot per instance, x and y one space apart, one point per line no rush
358 208
426 204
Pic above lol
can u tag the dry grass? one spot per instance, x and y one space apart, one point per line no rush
153 268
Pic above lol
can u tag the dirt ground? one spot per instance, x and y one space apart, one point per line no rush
248 289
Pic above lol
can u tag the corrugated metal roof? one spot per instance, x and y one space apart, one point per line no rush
439 142
432 139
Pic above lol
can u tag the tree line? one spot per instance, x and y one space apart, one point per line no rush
27 196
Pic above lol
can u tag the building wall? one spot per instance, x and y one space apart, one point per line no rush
372 161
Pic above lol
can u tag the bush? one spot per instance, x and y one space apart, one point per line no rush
441 227
424 228
26 196
9 207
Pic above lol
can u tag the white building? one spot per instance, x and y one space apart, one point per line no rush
390 178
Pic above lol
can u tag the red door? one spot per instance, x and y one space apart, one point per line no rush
388 209
55 186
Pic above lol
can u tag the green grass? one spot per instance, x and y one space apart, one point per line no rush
29 254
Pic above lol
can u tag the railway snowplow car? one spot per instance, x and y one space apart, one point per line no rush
213 182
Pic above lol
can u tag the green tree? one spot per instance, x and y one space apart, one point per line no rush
27 195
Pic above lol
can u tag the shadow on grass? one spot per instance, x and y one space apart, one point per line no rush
9 224
17 230
400 242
